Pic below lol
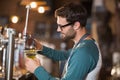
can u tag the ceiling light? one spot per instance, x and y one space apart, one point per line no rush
14 19
41 9
33 5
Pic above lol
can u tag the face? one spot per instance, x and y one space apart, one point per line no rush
66 29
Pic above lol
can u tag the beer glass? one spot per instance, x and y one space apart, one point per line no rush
30 47
31 53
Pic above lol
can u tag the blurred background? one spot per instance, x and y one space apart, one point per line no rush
103 23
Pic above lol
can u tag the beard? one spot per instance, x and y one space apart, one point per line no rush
70 34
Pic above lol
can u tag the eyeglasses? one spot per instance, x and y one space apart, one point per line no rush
62 26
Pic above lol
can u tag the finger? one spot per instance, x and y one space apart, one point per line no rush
27 58
37 60
36 41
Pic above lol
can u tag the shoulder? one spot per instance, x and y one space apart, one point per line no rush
87 50
87 46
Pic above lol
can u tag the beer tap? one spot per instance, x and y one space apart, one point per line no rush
26 24
9 42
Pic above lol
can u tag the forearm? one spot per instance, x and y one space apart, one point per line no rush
42 74
54 54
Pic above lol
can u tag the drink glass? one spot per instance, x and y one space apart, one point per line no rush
30 47
31 53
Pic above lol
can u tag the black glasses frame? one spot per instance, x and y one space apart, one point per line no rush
62 26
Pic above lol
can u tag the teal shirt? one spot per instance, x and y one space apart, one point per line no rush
83 60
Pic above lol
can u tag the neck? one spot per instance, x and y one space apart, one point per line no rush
79 34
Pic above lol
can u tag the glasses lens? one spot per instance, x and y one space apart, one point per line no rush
61 26
67 24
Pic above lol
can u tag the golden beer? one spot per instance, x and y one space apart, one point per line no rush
30 53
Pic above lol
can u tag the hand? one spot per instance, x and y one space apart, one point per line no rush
32 64
38 45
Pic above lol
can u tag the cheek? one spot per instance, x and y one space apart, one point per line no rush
67 32
71 33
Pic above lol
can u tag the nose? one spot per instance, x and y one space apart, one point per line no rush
58 29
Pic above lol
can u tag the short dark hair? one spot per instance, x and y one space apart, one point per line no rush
73 12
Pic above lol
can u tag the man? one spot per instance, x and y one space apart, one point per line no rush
83 60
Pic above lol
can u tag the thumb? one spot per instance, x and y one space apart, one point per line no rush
27 59
37 60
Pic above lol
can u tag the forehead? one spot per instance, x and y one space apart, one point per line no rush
61 20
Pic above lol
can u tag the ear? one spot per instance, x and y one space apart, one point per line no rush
76 25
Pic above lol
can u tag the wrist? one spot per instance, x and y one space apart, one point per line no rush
41 48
